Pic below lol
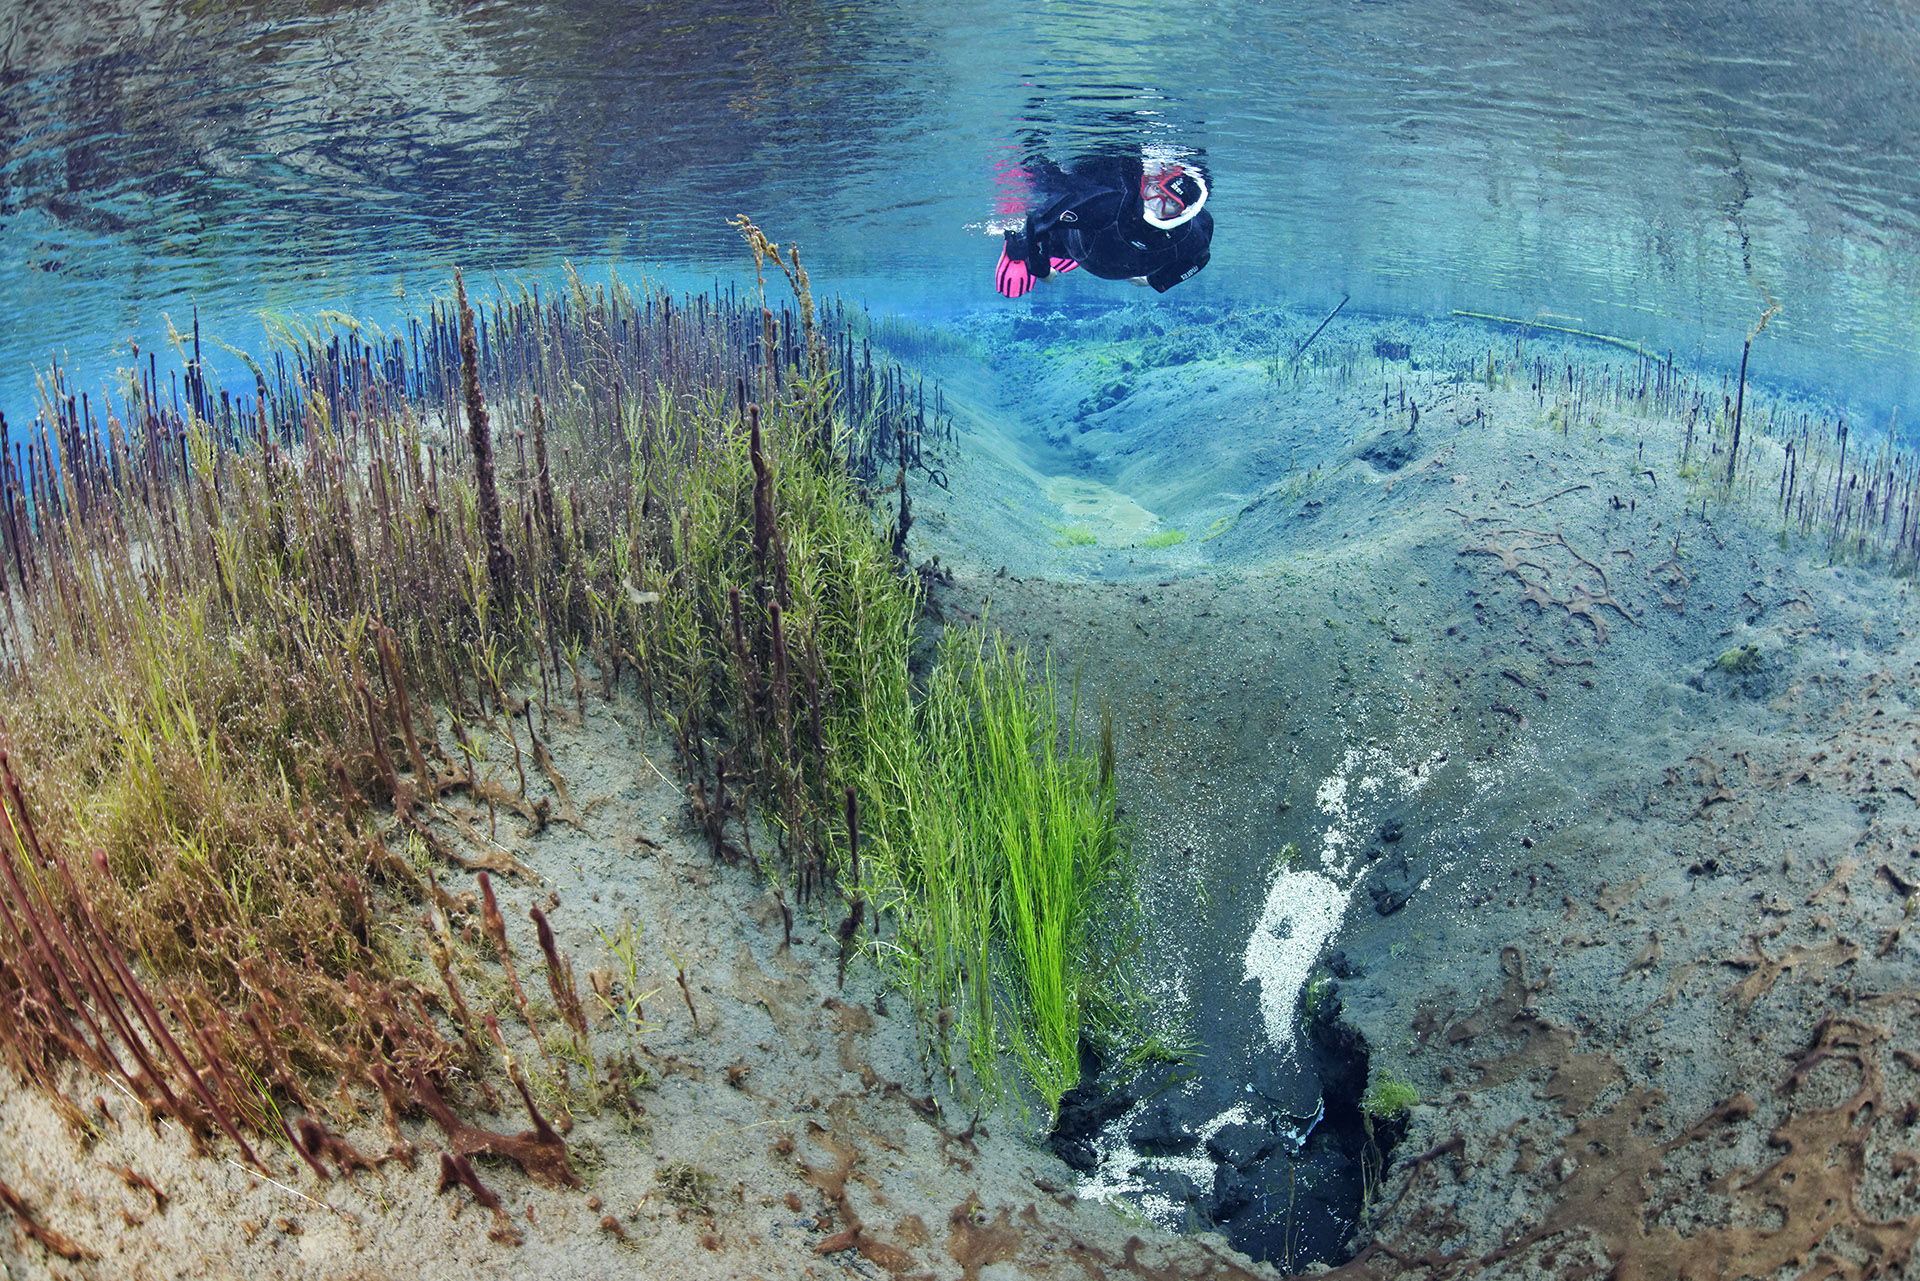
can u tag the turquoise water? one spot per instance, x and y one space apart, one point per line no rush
1648 171
1660 175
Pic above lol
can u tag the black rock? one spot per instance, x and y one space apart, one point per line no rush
1344 967
1393 887
1233 1194
1158 1132
1077 1153
1171 1184
1241 1144
1086 1109
1388 899
1392 830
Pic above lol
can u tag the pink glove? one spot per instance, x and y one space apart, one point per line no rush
1062 265
1012 277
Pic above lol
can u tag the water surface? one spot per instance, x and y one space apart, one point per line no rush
1646 170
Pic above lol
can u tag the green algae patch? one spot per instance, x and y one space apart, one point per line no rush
1388 1097
1100 509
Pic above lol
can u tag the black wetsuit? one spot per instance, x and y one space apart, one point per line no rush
1095 219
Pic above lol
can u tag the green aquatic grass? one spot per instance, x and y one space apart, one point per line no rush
1165 538
1075 536
1001 851
1220 526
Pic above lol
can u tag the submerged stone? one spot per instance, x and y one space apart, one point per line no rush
1391 889
1157 1131
1391 450
1233 1194
1241 1144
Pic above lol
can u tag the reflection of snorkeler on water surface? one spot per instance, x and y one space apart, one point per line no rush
1121 217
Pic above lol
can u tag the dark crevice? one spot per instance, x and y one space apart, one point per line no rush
1283 1188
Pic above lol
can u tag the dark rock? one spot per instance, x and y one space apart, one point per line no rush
1341 1059
1344 967
1241 1144
1233 1194
1391 450
1392 830
1388 899
1077 1153
1085 1110
1391 889
1171 1184
1158 1131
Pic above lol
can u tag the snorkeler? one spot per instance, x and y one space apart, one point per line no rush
1122 218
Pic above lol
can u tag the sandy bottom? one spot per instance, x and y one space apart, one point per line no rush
1613 795
1636 925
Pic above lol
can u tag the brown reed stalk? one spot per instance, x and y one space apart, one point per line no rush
686 993
856 901
543 485
1740 400
457 1171
440 944
495 926
763 525
480 440
560 982
387 646
541 1152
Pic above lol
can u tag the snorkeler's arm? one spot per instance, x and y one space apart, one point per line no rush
1195 246
1175 272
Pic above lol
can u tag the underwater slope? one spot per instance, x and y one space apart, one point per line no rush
1609 781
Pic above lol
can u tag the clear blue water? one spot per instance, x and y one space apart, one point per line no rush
1654 171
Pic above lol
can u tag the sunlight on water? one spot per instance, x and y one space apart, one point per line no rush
1643 171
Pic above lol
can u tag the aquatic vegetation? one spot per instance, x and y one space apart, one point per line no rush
1388 1097
1165 538
239 630
1313 997
998 849
1075 536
